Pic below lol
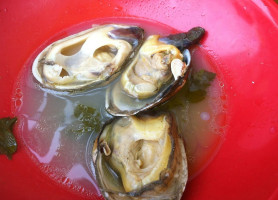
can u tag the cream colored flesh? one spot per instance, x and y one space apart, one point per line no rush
154 65
81 59
141 148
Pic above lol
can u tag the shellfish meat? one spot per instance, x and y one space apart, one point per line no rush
156 73
141 157
87 58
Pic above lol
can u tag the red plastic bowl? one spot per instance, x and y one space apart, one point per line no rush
242 40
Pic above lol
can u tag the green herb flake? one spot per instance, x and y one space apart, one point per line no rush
89 117
8 143
197 84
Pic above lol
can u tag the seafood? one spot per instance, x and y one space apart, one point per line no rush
87 58
157 72
141 157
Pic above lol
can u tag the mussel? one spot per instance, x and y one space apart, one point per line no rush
157 72
87 58
141 157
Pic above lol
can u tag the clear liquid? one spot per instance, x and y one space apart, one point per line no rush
46 120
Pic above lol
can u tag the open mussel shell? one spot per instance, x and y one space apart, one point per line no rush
157 73
89 58
119 103
140 157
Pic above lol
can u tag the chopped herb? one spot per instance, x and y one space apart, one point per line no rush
177 101
89 117
8 143
197 84
194 90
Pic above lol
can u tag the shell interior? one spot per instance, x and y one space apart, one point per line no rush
87 58
141 157
119 103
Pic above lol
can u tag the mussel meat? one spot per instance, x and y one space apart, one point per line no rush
141 157
156 73
87 58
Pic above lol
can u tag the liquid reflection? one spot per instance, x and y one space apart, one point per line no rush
52 151
78 172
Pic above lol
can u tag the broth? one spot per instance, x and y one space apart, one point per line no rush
47 119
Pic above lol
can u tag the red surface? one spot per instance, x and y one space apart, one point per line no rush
243 40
